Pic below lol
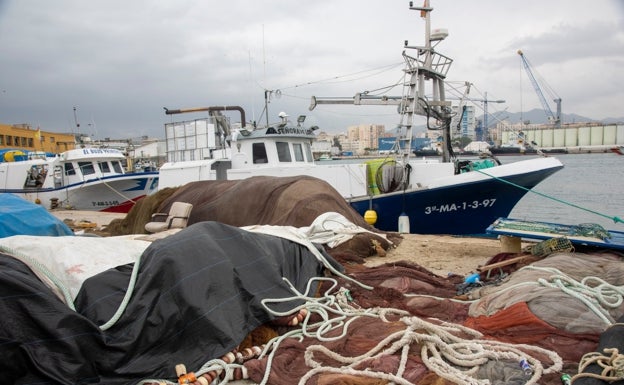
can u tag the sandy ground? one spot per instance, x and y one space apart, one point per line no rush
96 217
441 254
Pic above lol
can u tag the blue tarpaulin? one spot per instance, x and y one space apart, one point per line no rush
21 217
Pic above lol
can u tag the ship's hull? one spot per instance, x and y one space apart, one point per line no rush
109 194
460 209
512 150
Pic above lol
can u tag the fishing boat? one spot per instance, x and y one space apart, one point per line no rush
444 195
516 145
82 179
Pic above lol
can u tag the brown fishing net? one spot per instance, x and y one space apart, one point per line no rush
289 201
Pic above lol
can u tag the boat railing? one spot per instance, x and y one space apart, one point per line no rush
439 66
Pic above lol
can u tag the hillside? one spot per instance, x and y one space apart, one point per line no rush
538 116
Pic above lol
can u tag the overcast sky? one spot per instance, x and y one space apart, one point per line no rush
119 62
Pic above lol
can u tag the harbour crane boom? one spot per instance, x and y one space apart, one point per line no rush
556 119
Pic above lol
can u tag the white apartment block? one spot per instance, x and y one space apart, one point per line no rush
467 124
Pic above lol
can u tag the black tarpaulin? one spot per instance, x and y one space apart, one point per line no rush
197 295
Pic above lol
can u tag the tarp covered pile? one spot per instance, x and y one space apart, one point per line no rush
196 295
19 216
261 200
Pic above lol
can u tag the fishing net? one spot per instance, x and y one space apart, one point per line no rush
281 201
574 292
591 230
388 176
549 246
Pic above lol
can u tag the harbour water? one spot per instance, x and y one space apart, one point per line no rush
589 189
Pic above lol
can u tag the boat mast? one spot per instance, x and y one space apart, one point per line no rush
426 65
429 65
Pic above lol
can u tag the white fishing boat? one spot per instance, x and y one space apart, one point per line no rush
81 179
444 195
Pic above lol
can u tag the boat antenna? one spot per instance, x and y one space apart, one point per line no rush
76 120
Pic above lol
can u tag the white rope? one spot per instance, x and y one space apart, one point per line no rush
449 356
597 294
443 352
105 183
295 236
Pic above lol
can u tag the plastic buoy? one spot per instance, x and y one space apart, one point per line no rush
370 216
404 225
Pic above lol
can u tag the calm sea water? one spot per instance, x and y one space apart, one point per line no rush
593 182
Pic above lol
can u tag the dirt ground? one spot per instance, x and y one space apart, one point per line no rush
442 254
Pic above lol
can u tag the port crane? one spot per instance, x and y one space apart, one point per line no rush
556 119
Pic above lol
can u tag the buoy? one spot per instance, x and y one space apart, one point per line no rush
37 201
370 216
404 225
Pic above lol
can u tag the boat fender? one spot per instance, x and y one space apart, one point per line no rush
370 216
404 224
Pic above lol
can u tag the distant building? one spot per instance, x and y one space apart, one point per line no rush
24 137
150 153
321 147
367 135
464 122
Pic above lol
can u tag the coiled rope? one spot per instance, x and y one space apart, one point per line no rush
597 294
441 350
612 365
615 219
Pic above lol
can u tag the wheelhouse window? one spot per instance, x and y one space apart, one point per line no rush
69 169
308 151
298 150
283 152
104 167
117 167
86 168
259 153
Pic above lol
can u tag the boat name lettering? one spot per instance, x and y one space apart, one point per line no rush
88 151
294 130
448 207
105 203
